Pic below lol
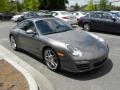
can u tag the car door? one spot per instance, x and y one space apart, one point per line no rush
30 42
96 21
108 22
116 27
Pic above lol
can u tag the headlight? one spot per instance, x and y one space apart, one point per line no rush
74 51
97 37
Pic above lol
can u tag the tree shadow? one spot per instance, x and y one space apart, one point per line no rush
96 73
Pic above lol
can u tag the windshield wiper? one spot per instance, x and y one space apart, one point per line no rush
49 33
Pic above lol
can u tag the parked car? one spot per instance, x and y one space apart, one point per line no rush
42 14
79 14
59 45
6 16
44 11
24 15
116 13
64 15
100 20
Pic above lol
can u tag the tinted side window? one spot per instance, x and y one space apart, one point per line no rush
25 25
92 15
96 15
77 13
21 25
43 27
107 16
87 15
26 15
54 14
28 24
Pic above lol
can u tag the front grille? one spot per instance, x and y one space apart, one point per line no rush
99 63
83 66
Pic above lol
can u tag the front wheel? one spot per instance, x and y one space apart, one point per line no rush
51 59
87 27
13 43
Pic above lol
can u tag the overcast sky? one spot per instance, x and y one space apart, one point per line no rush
84 2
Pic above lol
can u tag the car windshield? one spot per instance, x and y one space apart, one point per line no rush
50 26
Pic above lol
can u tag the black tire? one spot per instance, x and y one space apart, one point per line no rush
52 64
13 43
87 27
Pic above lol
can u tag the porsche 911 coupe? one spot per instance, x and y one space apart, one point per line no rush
59 45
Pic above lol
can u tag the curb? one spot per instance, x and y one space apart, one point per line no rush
31 82
42 82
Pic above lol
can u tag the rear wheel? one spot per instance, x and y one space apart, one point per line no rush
51 59
87 27
13 43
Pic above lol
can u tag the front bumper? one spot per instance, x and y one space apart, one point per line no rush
72 65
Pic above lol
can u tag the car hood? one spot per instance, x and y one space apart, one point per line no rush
16 16
82 40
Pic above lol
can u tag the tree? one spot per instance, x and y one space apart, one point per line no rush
31 5
52 4
103 5
90 6
4 5
76 7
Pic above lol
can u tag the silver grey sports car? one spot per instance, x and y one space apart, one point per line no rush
59 45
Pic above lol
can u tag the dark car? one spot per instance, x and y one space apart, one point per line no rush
59 45
6 16
100 20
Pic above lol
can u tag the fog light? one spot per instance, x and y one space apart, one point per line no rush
61 53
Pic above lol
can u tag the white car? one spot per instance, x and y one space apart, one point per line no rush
116 11
24 15
15 18
64 15
79 14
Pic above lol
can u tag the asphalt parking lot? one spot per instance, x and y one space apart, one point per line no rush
104 78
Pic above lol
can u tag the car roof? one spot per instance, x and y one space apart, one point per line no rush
101 11
43 18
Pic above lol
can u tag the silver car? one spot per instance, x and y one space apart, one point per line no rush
59 45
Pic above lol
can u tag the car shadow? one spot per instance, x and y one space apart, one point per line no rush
97 73
105 32
31 55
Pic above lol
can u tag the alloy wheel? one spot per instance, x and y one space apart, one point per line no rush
13 43
51 59
86 27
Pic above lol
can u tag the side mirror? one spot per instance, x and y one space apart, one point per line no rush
30 31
